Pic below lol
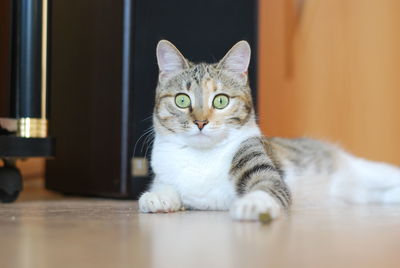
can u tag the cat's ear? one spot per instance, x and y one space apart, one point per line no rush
237 60
170 60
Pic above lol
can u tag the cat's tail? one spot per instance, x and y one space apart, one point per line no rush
362 181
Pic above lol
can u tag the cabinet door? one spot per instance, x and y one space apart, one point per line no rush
5 57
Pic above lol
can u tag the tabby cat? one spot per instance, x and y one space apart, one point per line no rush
209 153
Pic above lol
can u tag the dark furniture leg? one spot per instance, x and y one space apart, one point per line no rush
10 181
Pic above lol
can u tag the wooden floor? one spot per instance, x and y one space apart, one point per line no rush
48 230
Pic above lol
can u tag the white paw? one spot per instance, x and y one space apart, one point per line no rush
159 202
249 207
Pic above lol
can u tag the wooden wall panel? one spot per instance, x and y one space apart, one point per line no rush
275 98
337 77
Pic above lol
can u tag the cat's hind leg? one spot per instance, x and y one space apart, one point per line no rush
391 196
366 182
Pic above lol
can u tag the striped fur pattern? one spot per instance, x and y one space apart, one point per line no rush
225 163
252 164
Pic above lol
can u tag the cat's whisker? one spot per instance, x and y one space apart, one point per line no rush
148 143
149 135
148 146
146 132
147 118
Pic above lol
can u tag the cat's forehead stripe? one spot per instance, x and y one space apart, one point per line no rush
199 72
211 85
199 97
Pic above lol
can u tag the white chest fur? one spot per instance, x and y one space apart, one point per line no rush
201 177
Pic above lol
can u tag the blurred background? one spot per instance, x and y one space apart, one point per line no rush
328 69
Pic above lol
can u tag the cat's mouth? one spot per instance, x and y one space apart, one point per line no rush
204 139
201 134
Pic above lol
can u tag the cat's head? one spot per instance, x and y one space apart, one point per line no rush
202 105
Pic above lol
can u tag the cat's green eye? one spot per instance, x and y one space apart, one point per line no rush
220 101
182 100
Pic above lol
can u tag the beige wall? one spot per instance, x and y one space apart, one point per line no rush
332 71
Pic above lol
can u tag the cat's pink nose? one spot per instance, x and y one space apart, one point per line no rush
200 123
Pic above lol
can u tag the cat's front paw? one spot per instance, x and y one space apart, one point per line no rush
159 202
249 207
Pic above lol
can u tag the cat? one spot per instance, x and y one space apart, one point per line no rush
209 153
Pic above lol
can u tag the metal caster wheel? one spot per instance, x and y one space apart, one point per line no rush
10 183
